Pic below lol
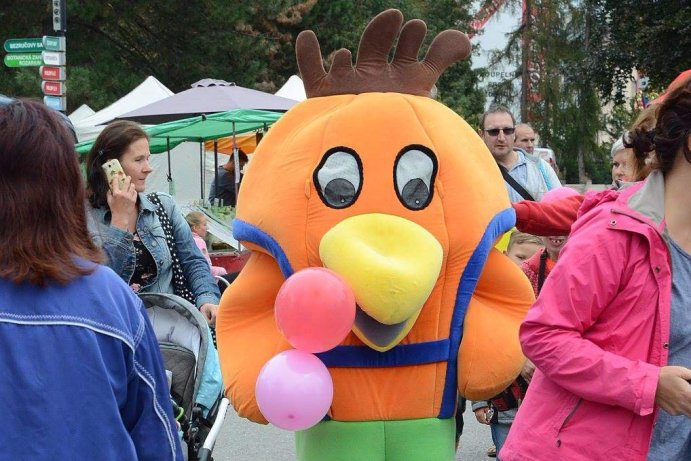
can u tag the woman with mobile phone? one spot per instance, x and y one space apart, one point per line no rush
132 229
610 333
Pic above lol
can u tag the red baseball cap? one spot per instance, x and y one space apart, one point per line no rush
675 83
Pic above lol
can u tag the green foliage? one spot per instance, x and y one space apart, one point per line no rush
600 165
620 119
114 45
23 19
585 51
561 103
568 115
458 85
652 35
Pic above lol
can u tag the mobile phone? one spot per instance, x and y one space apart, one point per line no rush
112 169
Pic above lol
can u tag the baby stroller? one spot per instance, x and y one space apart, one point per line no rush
196 387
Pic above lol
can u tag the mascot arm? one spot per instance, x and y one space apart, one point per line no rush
547 218
247 333
490 356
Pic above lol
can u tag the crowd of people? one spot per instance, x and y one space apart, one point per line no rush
608 340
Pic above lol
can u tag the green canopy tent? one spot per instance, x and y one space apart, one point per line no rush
166 136
202 128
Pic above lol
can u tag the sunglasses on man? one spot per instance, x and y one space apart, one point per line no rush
495 131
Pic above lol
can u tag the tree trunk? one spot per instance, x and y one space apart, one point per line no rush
583 139
525 60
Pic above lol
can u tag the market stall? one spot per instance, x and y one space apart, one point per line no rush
182 141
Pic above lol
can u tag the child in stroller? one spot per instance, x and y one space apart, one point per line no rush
189 355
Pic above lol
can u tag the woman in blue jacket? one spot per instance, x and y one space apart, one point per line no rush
82 373
125 222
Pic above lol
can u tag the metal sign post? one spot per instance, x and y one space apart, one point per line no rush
55 54
60 17
35 52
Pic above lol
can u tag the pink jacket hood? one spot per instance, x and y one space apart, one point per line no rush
599 334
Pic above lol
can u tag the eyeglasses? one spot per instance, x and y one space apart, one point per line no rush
495 131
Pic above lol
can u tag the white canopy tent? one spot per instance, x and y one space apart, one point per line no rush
150 90
81 113
186 170
293 89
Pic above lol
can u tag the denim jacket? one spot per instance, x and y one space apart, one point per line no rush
119 248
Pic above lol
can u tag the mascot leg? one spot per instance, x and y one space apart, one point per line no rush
430 439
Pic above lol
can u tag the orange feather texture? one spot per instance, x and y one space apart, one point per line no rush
292 195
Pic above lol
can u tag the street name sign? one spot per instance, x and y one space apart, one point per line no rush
23 59
53 73
55 102
53 88
23 45
54 43
53 58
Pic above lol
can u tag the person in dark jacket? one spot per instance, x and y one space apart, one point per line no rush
224 192
82 376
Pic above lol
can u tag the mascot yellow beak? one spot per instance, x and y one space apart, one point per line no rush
391 264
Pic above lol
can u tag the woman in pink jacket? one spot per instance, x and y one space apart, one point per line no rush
611 331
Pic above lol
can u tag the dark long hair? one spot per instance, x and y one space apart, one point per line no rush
640 141
671 129
111 143
674 126
43 227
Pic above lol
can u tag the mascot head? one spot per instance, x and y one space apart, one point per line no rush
374 179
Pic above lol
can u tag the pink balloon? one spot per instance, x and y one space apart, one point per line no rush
294 390
558 194
315 309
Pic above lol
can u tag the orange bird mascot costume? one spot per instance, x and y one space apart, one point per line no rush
372 178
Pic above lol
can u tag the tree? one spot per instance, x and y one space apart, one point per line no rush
550 47
114 45
654 36
458 85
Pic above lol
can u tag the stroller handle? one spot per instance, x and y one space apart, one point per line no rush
205 452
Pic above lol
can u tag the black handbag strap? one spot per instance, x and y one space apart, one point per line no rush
541 271
513 183
179 280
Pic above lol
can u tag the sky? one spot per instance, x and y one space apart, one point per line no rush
494 37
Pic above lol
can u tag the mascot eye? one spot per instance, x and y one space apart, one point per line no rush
339 177
414 172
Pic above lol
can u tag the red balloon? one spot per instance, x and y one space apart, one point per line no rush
315 309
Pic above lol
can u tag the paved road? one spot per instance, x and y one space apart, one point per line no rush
241 440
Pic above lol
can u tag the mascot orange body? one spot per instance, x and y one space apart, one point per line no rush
399 196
